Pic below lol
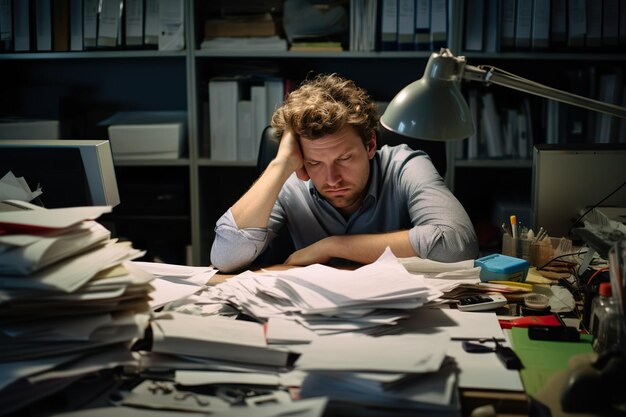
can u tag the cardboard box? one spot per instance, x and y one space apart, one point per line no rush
18 128
148 135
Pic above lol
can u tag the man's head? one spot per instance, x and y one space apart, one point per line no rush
323 105
335 122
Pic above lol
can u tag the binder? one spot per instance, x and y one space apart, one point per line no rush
152 24
492 126
540 38
43 25
76 25
438 24
90 23
21 26
576 23
172 19
259 112
134 22
593 39
389 25
474 15
507 24
610 22
109 21
406 24
6 25
224 94
523 20
492 26
558 23
422 25
275 94
246 144
60 25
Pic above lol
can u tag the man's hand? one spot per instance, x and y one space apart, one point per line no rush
289 151
317 253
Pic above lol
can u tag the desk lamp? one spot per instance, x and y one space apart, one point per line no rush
433 107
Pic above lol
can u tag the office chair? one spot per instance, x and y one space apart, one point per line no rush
436 150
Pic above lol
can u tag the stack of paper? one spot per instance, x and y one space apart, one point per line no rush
400 374
328 300
215 338
71 302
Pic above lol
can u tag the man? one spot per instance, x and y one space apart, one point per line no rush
337 195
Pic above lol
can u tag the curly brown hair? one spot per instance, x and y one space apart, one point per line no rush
323 105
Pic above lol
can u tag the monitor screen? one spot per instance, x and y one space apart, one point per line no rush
71 173
567 180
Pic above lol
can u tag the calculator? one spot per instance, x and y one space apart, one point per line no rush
480 302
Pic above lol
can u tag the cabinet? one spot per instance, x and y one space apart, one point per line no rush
170 207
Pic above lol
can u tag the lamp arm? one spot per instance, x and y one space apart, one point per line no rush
499 77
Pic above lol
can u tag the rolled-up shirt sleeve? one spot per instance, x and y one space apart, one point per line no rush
442 230
235 248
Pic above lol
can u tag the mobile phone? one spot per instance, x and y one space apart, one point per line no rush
481 302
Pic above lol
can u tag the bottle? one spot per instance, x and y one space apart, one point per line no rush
598 304
607 321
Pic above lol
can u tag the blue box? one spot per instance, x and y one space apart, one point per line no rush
499 267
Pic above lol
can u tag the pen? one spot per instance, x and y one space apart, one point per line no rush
513 219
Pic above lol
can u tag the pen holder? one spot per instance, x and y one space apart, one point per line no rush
542 252
516 247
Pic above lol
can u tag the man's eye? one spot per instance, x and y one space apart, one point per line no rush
345 158
312 163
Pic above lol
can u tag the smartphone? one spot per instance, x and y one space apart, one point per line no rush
481 302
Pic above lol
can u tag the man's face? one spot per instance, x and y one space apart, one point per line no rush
338 165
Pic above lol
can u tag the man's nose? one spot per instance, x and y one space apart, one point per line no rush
333 175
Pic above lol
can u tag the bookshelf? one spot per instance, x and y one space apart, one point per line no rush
191 192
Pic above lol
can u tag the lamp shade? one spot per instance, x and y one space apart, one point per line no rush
432 108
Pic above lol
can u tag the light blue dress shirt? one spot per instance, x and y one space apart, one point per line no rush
405 192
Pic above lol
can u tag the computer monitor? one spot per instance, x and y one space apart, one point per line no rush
568 179
71 173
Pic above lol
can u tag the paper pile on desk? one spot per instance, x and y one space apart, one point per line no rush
389 374
71 302
326 300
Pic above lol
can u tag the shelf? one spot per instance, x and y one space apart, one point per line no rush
201 53
493 163
211 163
92 55
152 162
544 56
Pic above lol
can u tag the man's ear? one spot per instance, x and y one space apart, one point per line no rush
371 146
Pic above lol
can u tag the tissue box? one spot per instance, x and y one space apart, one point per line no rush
498 267
147 135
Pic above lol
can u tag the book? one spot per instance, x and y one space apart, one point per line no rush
492 126
610 22
171 25
328 46
260 119
274 94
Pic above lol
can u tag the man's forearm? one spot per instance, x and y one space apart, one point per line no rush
364 248
253 209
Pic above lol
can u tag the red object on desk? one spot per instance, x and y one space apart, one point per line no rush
549 320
